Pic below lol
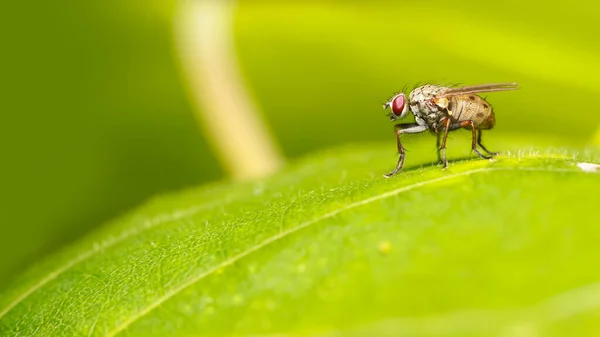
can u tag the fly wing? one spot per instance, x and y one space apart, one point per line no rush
480 88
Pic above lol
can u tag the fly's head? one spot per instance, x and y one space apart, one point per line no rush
398 106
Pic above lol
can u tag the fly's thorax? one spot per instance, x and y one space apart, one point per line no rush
420 99
422 106
426 92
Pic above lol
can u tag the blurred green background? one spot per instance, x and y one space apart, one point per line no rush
95 117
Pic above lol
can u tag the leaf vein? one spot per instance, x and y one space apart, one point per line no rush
147 224
233 259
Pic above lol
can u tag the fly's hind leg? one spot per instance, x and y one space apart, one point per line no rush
470 124
458 125
483 147
400 129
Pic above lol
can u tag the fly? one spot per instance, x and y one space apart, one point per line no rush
443 109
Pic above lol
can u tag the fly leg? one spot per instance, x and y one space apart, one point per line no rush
455 126
400 129
442 149
483 147
437 146
469 124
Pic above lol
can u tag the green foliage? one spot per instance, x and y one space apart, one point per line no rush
329 245
94 121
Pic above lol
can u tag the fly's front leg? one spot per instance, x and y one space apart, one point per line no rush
483 147
400 129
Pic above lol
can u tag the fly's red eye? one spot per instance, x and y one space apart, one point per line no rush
398 105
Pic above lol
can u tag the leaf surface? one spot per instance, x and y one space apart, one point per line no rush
328 247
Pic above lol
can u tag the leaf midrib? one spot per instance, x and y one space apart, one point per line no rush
303 225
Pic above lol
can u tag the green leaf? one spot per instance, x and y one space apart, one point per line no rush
329 246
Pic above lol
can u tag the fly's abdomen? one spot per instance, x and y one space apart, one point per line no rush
472 107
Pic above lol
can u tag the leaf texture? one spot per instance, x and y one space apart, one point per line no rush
330 247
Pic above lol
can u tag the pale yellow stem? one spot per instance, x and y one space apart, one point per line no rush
225 110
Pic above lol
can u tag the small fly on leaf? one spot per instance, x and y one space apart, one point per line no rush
443 109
